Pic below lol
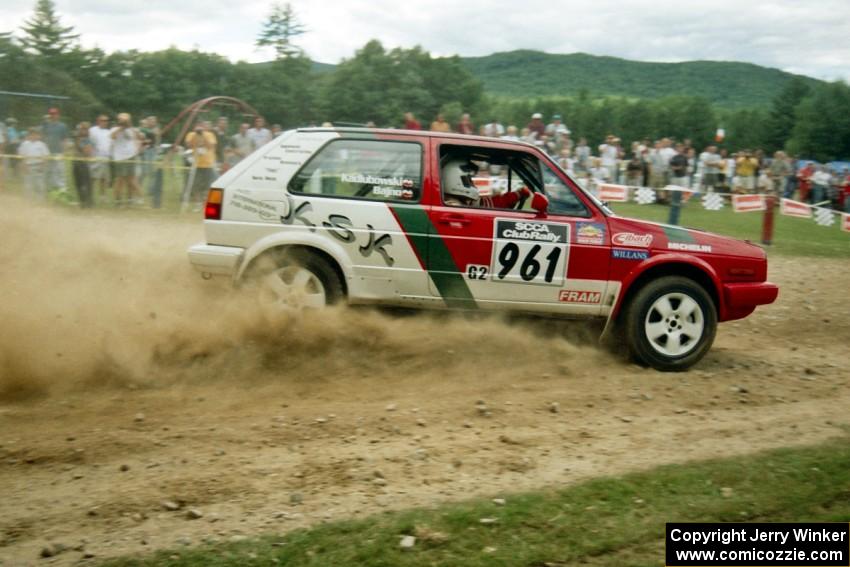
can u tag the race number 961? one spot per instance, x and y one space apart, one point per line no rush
530 252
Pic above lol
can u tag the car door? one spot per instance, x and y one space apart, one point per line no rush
519 259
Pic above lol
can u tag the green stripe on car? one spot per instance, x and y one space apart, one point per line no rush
447 278
675 234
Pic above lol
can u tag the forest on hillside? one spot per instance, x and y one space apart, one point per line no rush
726 84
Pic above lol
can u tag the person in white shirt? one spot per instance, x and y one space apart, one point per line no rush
556 127
609 153
259 134
101 138
34 153
126 146
709 167
511 134
821 181
599 174
494 129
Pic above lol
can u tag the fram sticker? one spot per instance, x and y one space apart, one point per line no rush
632 239
629 254
590 233
586 297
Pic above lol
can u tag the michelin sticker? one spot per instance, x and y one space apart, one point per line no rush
688 247
529 251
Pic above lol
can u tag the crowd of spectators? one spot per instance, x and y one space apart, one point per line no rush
115 162
667 161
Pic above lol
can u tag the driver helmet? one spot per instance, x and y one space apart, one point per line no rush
457 179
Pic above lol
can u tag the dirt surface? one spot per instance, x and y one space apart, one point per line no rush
144 408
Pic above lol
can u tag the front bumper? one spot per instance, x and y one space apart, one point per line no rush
741 299
213 260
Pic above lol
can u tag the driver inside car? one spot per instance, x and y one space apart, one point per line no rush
460 191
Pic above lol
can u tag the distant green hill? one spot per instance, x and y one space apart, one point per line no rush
525 73
319 67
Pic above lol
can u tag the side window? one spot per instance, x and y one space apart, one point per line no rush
481 178
363 169
562 199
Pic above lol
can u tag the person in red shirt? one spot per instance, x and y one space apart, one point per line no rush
410 122
536 125
845 192
805 181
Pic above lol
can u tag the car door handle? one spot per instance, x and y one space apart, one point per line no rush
453 218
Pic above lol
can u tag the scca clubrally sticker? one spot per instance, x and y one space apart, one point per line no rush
530 251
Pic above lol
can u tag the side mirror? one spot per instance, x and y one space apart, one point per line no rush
540 203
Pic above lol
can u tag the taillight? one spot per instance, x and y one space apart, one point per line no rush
212 211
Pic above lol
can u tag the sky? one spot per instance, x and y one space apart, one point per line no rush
809 37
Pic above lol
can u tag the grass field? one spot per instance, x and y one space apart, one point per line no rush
611 521
791 237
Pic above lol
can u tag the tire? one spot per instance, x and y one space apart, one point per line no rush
670 323
293 280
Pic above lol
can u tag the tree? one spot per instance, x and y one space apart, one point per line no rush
822 128
279 31
381 85
782 116
45 35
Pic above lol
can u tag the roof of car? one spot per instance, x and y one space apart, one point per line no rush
417 133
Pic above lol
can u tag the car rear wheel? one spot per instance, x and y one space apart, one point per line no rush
294 280
670 323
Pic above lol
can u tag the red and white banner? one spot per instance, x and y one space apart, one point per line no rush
748 203
613 193
483 186
845 222
791 208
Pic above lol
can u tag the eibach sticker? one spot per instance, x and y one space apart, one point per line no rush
632 239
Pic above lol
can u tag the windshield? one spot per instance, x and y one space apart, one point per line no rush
602 206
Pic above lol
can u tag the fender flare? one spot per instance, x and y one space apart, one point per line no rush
669 259
296 238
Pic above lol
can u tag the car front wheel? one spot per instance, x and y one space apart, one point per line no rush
670 323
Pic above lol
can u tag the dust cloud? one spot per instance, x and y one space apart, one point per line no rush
107 300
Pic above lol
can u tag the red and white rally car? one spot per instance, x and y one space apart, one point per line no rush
322 215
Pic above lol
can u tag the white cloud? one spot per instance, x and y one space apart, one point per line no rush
804 37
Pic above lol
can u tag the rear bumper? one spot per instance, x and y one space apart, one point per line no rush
213 260
741 299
